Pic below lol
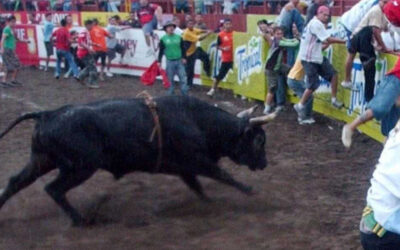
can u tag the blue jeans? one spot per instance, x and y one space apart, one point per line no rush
280 96
176 67
70 59
385 97
299 87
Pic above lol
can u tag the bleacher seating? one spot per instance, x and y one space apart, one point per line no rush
339 7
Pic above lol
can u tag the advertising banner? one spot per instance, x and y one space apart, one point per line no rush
38 17
249 55
27 52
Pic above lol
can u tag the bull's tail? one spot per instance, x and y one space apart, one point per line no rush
23 117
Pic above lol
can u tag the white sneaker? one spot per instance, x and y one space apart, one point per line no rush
109 74
66 76
300 111
347 133
337 104
267 109
279 108
306 121
211 92
347 85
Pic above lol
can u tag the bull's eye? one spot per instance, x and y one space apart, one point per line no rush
259 141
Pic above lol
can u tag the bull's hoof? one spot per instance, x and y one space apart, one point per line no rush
248 190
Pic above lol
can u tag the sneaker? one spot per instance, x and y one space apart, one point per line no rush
279 108
66 76
347 133
211 92
337 104
267 109
300 111
306 121
57 77
347 85
101 78
109 74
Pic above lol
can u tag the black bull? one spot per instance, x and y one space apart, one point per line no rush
114 135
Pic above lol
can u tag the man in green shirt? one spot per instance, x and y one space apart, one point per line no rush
171 45
7 49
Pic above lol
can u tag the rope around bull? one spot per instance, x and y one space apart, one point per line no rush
149 101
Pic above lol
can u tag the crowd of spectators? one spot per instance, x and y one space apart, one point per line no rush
177 6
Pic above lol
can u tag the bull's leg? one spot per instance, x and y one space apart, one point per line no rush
61 185
194 184
221 175
33 170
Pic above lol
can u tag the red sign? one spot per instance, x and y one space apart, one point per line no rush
38 17
27 52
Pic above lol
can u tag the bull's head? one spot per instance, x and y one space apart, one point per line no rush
250 149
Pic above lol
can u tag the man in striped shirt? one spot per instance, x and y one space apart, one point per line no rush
314 38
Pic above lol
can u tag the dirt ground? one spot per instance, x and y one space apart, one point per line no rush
309 197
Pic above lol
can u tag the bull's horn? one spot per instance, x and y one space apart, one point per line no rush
262 119
247 112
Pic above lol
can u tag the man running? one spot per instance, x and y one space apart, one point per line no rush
85 54
98 36
225 44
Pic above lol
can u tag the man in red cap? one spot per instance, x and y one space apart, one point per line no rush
384 105
314 38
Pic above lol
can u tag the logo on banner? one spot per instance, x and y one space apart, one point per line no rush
215 57
248 59
357 97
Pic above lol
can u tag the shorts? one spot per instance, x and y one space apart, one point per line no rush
348 36
102 55
385 98
314 70
49 48
112 53
149 27
362 42
225 67
10 60
272 77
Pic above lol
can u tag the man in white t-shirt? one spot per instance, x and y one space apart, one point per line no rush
314 38
365 39
380 223
351 18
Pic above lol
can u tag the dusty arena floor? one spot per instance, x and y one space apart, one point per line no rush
309 197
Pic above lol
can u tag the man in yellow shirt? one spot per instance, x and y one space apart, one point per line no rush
191 36
295 81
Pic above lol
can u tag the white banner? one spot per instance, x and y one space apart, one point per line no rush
136 59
